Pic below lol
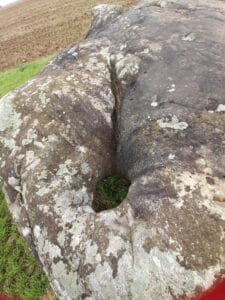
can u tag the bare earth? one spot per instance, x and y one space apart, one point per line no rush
33 28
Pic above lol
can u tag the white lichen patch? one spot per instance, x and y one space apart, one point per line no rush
91 250
178 202
127 67
171 156
116 244
172 123
83 197
110 219
190 37
117 276
9 118
26 231
44 99
37 231
45 247
3 163
71 198
61 238
103 276
67 168
221 108
214 208
145 51
45 209
123 47
100 66
29 157
61 292
52 250
82 149
57 93
43 191
43 175
155 47
8 143
15 183
64 176
31 137
39 145
161 269
78 229
31 160
52 138
85 169
154 103
149 49
172 88
187 184
66 283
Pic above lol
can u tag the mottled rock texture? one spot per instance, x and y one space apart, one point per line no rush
144 93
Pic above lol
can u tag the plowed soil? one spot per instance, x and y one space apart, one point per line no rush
30 29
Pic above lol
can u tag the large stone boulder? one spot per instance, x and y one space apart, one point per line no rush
143 94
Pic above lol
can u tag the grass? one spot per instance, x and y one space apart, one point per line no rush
13 78
19 273
111 191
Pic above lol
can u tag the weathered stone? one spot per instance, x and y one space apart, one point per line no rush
144 93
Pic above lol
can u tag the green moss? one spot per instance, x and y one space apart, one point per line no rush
19 273
110 192
13 78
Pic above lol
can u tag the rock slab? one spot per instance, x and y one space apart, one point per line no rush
144 93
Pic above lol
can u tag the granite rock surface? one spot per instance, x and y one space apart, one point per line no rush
143 94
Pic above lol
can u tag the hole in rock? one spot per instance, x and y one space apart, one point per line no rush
110 192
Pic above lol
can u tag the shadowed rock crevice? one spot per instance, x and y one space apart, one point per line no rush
111 191
117 93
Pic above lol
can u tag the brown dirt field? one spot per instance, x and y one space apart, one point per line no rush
33 28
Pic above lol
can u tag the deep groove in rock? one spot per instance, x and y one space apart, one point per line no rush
111 191
117 91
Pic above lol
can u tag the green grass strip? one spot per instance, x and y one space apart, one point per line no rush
15 77
19 273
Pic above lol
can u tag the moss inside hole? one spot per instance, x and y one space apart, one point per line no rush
110 192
